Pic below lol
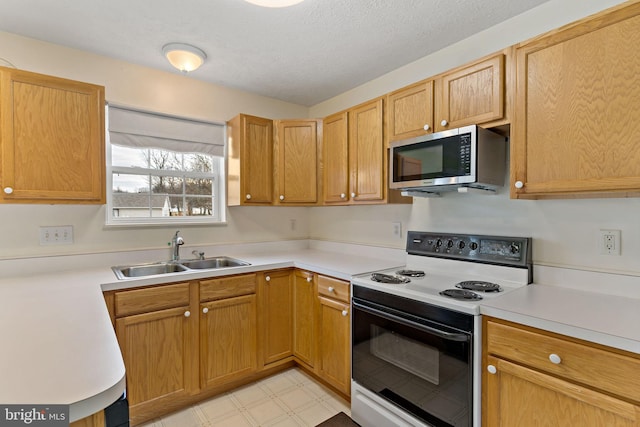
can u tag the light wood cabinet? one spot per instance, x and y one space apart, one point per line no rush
250 161
577 112
297 166
410 111
334 339
228 329
95 420
336 159
159 348
276 288
52 139
534 378
304 317
471 94
367 155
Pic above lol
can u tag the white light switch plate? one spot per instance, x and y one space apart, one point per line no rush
57 235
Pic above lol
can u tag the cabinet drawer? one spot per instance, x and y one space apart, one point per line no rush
333 288
579 361
151 299
225 287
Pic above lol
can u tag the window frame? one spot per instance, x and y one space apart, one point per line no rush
218 187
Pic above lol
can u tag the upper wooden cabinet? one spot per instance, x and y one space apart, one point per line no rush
367 154
250 161
52 137
410 111
472 94
297 155
577 112
336 159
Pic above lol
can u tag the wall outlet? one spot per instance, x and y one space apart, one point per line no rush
609 242
396 229
58 235
292 224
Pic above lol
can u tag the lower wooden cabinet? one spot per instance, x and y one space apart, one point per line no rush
534 378
95 420
304 317
334 339
277 315
154 342
228 329
183 342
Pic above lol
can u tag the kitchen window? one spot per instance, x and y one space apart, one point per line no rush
163 169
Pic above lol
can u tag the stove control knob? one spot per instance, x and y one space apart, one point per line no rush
515 248
438 243
492 369
473 246
450 243
461 244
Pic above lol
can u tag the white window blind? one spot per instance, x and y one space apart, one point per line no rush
140 129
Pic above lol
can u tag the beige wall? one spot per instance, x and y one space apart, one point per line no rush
565 231
136 86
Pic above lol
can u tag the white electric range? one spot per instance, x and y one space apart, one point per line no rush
416 330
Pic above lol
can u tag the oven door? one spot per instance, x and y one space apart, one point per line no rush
420 366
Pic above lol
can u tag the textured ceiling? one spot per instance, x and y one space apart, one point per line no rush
302 54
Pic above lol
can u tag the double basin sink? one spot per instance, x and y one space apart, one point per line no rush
183 266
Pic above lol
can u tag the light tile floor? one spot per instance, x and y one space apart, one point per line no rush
290 398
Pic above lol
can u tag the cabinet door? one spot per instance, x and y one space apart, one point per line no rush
334 344
297 148
256 174
366 152
523 397
336 159
159 353
277 315
304 314
52 139
410 111
471 95
228 340
577 118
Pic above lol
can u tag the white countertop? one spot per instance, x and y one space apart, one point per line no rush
58 344
604 319
59 347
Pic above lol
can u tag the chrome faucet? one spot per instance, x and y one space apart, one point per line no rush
176 242
197 254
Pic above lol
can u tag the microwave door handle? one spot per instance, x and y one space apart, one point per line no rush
442 334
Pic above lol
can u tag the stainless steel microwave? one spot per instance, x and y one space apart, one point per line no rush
467 157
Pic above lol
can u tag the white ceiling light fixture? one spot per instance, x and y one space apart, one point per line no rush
274 3
183 56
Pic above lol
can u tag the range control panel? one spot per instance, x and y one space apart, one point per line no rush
510 251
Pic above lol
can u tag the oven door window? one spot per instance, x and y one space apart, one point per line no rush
425 372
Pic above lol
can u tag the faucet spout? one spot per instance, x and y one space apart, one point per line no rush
176 242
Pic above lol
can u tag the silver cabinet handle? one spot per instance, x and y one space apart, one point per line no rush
444 123
331 289
8 190
492 369
248 197
342 195
345 313
309 279
518 184
205 310
281 197
268 278
187 313
353 195
426 127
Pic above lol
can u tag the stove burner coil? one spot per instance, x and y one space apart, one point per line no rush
479 286
461 294
410 273
386 278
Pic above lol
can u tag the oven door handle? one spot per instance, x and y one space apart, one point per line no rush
442 334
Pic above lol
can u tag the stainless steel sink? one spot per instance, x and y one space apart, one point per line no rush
214 262
144 270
